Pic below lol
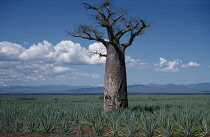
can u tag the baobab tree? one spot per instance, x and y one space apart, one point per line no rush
110 27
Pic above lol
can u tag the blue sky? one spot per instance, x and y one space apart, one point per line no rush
34 48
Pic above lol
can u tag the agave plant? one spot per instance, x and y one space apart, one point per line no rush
97 127
165 122
205 124
148 123
168 115
131 123
115 120
66 126
187 122
48 120
33 124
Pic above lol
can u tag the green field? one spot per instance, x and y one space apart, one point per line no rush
82 115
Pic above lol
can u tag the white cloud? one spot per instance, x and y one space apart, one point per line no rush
162 62
168 66
191 64
10 51
65 52
132 62
70 53
44 61
37 52
26 71
136 63
61 69
98 48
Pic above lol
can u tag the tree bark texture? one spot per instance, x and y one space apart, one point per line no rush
115 90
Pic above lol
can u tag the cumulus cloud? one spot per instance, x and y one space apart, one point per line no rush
163 66
10 51
45 61
37 52
65 52
168 66
97 48
68 52
191 64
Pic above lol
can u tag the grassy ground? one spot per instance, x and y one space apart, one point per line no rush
82 115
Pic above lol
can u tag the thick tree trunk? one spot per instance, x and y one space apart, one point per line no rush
115 90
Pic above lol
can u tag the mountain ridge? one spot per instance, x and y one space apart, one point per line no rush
157 88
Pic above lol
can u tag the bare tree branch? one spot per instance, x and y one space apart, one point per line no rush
134 34
88 6
110 13
114 22
120 16
130 25
88 32
99 53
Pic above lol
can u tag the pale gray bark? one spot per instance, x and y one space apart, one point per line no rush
115 90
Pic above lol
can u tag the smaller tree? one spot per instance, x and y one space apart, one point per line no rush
109 28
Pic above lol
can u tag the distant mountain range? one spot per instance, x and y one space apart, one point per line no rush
138 88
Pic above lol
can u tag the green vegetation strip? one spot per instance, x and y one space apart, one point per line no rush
83 115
